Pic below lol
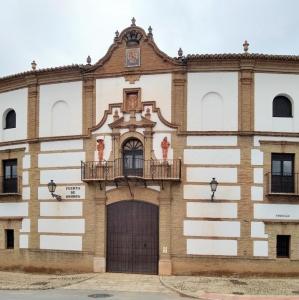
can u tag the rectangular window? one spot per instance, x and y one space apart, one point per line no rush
283 246
282 173
10 176
10 239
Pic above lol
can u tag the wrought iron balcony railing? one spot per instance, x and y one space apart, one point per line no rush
286 183
10 186
131 168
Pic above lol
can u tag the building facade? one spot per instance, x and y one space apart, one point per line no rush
132 143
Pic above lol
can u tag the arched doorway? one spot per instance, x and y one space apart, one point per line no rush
132 237
132 152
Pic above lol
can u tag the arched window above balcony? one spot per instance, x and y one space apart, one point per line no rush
132 157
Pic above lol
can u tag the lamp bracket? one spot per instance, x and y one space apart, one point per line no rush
57 197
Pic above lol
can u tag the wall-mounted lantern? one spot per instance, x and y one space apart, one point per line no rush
52 188
213 185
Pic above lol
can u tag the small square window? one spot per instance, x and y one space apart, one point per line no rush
10 239
283 246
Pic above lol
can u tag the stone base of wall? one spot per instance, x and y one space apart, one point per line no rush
99 264
46 261
228 265
49 261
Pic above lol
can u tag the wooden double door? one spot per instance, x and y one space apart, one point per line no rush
132 237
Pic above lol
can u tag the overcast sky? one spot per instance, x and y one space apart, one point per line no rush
63 32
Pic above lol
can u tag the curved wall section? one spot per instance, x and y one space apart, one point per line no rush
60 118
16 100
212 112
155 87
266 88
61 102
211 97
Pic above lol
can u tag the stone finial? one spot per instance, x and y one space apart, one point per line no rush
133 20
148 113
33 65
246 46
150 32
116 116
180 53
88 60
116 35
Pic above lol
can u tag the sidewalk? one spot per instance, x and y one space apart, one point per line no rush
234 288
201 287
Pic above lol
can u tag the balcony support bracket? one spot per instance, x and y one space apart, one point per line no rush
100 184
127 181
115 182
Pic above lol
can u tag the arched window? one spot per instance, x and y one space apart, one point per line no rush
10 119
282 107
133 158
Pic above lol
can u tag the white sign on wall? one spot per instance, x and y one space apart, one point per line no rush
73 192
276 211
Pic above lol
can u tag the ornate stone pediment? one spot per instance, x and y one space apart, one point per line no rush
132 124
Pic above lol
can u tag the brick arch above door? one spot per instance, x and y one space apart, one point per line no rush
140 193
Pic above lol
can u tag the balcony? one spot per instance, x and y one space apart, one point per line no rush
139 169
282 185
10 186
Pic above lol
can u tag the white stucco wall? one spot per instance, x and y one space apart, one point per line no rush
257 139
61 209
203 192
25 225
61 176
266 88
24 241
60 111
276 211
212 156
212 228
257 193
212 101
257 157
64 159
258 230
153 88
211 210
61 225
60 242
26 161
62 145
212 140
18 101
258 175
14 209
26 193
260 248
212 247
203 174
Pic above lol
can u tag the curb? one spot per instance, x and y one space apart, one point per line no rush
194 296
186 294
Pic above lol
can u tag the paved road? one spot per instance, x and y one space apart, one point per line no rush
60 294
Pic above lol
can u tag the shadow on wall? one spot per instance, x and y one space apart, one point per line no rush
212 112
60 118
